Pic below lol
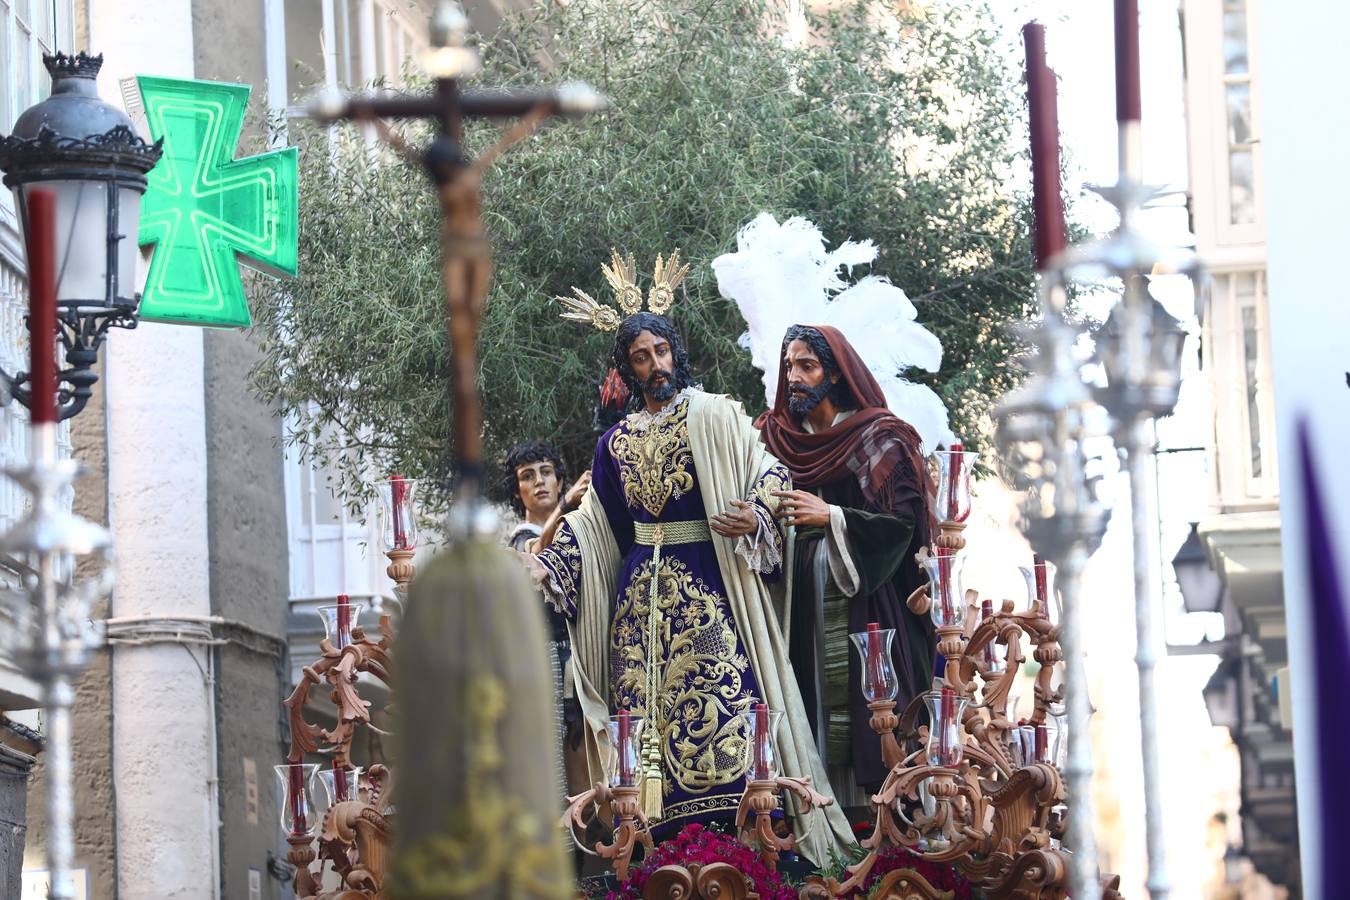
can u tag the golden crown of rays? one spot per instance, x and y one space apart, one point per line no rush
621 273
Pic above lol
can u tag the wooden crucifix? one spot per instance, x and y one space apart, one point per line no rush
466 255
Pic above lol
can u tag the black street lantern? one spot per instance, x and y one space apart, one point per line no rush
1201 587
86 153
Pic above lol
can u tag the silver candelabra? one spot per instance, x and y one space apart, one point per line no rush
50 634
1046 431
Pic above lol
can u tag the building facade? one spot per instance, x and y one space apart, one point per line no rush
1241 536
225 542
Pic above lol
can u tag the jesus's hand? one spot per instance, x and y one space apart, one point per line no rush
802 508
738 521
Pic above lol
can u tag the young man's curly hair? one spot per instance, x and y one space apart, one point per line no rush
523 454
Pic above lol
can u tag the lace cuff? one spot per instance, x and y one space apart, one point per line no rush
761 550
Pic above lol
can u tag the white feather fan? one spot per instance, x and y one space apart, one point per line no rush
781 275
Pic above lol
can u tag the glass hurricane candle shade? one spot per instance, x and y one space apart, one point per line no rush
298 817
874 654
1041 595
1059 740
761 748
625 733
1024 745
338 622
398 513
994 656
953 488
945 710
947 606
341 783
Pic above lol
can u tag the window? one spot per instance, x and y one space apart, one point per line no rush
331 552
1238 101
1238 352
28 29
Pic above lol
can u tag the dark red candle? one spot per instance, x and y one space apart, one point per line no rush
398 491
946 725
954 479
339 782
1042 743
1127 61
299 815
625 742
944 558
875 675
1042 589
344 620
761 742
41 235
1047 204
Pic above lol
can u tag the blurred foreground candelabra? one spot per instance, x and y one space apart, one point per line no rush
981 792
354 834
48 633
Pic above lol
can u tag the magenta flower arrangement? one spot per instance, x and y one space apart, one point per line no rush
940 875
704 846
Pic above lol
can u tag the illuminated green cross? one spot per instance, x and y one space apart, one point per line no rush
203 207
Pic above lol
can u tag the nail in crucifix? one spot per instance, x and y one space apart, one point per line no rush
466 257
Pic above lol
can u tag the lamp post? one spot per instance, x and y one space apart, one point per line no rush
87 154
1201 587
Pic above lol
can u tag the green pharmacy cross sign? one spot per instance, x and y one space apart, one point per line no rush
203 208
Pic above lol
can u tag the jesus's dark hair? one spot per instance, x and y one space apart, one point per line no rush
662 327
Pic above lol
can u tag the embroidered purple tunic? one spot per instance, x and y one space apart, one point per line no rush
643 475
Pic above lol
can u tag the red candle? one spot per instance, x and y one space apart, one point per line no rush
1042 600
1042 742
946 723
299 816
1127 61
987 613
344 620
953 480
41 234
625 745
875 676
944 557
1047 204
398 490
339 782
761 742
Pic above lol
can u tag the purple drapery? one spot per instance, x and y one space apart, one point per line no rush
1331 664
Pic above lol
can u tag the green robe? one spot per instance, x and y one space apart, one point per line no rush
881 548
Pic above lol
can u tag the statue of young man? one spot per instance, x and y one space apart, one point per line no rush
861 509
664 572
533 480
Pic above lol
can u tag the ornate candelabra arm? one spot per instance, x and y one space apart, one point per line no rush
304 736
919 601
301 855
951 537
401 571
631 825
884 721
761 799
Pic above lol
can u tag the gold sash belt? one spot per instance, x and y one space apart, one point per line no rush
656 534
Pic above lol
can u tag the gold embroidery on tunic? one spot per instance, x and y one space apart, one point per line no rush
700 669
562 558
655 463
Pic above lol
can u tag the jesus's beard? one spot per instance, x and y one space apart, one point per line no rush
802 400
659 393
